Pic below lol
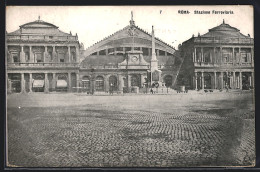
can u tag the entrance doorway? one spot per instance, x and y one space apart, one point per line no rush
207 81
112 83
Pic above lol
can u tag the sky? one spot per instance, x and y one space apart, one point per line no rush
94 23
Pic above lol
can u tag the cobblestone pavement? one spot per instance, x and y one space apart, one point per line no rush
143 131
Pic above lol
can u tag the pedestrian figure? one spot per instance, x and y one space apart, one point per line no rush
151 90
226 87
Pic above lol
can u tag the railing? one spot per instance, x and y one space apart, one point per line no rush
45 64
100 66
224 40
164 66
207 64
41 37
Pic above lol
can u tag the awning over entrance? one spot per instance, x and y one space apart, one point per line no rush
38 83
62 83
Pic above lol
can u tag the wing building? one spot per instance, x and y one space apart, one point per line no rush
221 58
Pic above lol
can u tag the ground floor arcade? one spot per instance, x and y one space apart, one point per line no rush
26 82
118 82
75 81
223 79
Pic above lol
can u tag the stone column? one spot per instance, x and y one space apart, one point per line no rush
196 81
129 83
214 55
221 80
9 85
77 54
46 83
195 54
202 80
77 82
69 60
45 54
253 79
30 82
240 80
142 79
106 51
31 55
250 80
106 83
221 56
69 81
215 80
22 55
202 55
91 84
252 57
54 54
240 60
120 83
233 56
53 81
234 80
22 83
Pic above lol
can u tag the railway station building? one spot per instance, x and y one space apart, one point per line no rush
221 58
40 57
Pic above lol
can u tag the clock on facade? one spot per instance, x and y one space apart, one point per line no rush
134 58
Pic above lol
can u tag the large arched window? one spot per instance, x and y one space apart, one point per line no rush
86 82
134 81
99 83
168 80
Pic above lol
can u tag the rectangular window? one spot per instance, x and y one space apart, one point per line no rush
15 58
61 57
27 56
38 57
227 57
244 57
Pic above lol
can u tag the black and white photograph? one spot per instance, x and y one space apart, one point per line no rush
130 86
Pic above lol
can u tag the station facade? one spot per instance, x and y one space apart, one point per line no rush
221 58
40 57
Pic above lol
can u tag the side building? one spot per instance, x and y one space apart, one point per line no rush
40 57
221 58
121 62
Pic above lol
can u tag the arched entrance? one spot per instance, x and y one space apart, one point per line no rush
86 83
62 84
168 81
112 83
207 81
246 80
134 81
99 83
15 83
38 83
